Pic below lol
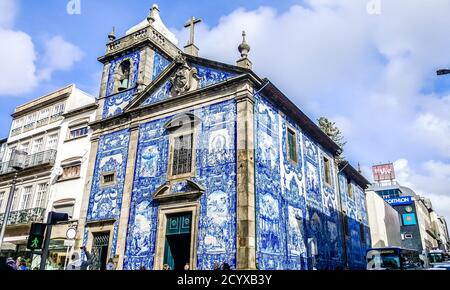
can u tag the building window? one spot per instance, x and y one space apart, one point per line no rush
327 170
292 145
58 110
345 219
24 147
349 188
79 132
41 195
123 76
108 179
26 197
70 172
64 206
38 145
17 127
52 142
30 121
43 117
361 232
182 154
2 198
14 200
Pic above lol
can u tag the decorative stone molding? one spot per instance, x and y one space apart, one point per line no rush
185 78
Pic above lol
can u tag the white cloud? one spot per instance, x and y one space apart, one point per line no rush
8 12
432 182
367 72
19 72
17 63
59 55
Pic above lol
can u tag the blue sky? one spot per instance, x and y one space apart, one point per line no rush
88 30
372 73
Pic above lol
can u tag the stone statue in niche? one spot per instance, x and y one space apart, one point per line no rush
185 78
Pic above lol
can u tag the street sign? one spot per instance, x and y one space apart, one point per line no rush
404 200
36 236
69 243
71 233
383 172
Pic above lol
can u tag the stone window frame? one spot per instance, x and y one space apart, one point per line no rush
290 128
350 193
99 228
327 160
346 224
163 212
362 231
68 163
76 125
104 184
177 131
66 202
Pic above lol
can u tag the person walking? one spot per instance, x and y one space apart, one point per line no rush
77 263
11 263
23 265
3 265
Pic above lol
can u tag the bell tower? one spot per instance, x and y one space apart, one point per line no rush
133 61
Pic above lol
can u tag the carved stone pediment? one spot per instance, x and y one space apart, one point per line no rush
178 191
184 79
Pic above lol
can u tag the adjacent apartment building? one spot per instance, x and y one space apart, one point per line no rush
53 131
421 228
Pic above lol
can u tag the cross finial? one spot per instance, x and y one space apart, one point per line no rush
112 34
191 25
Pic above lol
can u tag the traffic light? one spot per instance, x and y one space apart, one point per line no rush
54 217
36 236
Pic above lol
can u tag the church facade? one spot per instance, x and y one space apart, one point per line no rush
198 162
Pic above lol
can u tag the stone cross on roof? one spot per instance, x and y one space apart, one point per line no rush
191 24
190 47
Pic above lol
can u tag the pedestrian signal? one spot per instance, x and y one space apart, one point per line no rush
36 236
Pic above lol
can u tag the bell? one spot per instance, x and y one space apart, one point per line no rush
123 85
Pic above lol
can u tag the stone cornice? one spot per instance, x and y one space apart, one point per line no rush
145 36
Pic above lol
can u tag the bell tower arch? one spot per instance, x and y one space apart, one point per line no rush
133 61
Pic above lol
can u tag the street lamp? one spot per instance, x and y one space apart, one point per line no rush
444 71
17 162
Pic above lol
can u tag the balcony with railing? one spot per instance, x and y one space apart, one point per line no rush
38 159
16 131
25 216
42 122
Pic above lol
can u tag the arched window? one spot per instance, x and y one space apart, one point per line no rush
124 75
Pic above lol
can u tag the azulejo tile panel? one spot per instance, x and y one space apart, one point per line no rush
105 201
160 94
209 76
115 104
298 224
215 171
159 64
